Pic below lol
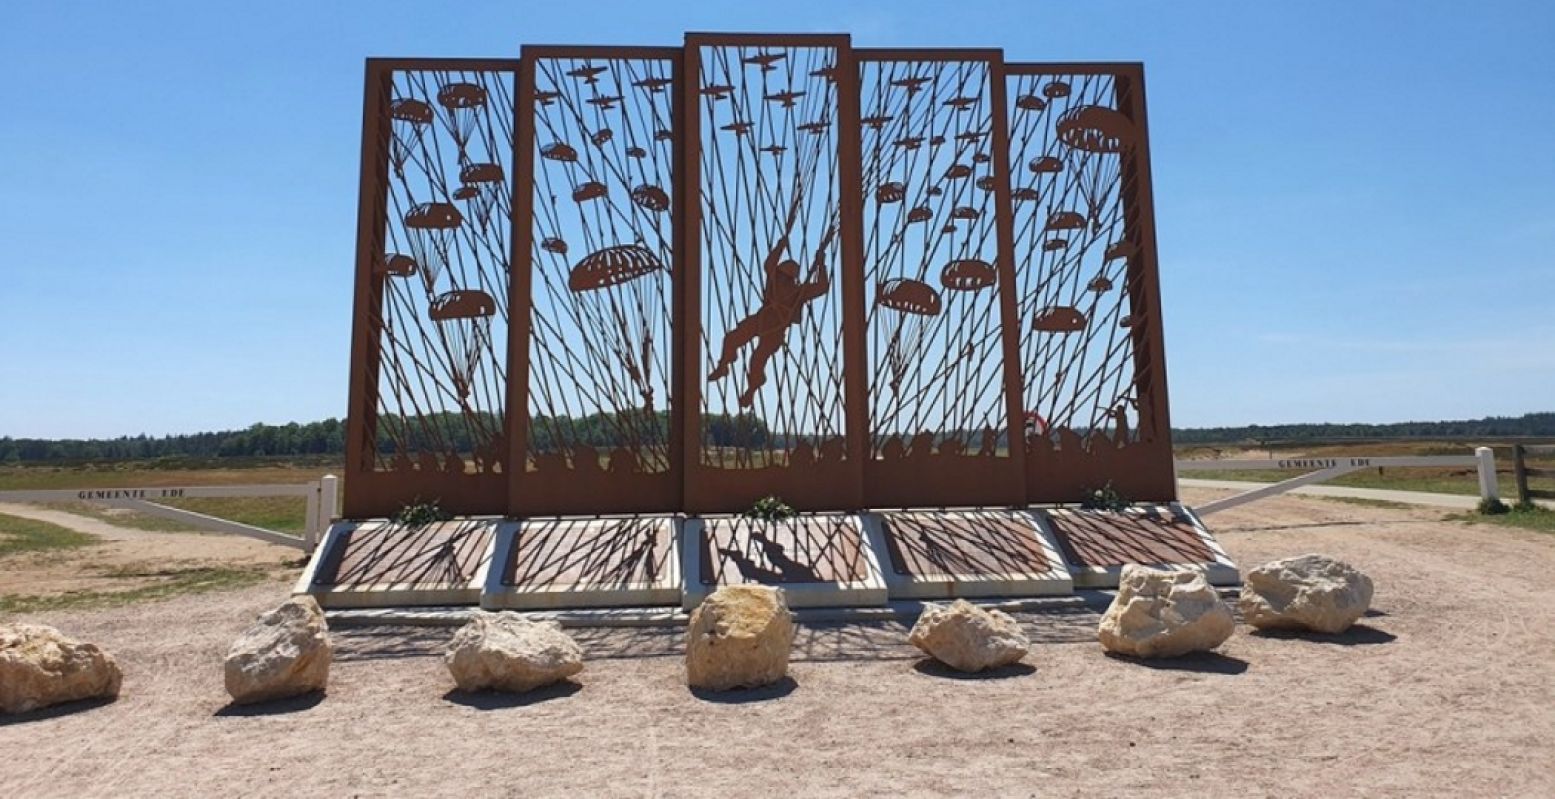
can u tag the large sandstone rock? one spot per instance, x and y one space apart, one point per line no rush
1164 613
966 637
739 637
1310 592
506 652
285 653
40 667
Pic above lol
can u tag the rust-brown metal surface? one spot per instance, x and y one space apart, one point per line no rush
440 555
678 279
827 548
429 358
967 546
590 554
1108 539
597 363
1092 364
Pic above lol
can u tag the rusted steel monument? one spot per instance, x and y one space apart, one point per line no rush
654 284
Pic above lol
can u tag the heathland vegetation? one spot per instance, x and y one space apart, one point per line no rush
328 437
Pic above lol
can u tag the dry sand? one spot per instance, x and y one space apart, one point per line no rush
1447 690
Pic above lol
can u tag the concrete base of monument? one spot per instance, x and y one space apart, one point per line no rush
943 554
385 564
558 563
819 560
1097 544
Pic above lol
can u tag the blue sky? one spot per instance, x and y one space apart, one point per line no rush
1355 201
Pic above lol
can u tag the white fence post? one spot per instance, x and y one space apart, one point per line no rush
329 499
1487 473
310 520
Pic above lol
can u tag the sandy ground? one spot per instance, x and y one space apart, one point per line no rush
1446 690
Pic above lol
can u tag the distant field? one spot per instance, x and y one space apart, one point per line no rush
166 472
283 514
1462 480
287 514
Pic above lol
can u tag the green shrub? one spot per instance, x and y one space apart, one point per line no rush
421 514
1105 498
1492 506
770 509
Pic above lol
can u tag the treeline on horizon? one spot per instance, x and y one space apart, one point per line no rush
328 437
439 432
1529 424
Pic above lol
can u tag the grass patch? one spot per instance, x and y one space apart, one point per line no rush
168 584
1367 502
1538 519
282 514
18 535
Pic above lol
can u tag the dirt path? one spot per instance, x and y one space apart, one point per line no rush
81 524
1445 691
127 558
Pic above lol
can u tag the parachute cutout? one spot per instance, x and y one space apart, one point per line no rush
432 228
612 266
483 185
463 319
409 119
460 102
909 296
968 275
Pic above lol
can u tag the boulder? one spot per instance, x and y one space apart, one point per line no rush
966 637
739 637
41 667
1164 613
1310 592
285 653
507 652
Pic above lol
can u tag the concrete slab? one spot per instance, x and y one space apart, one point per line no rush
548 564
381 563
819 560
1097 544
967 553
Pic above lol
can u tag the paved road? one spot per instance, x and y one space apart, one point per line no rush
1459 501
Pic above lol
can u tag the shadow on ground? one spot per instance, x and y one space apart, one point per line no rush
55 711
776 690
934 668
389 641
1197 662
275 707
498 700
1357 635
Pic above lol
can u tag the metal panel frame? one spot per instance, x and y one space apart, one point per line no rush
1007 486
373 492
370 492
523 500
1150 477
701 493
